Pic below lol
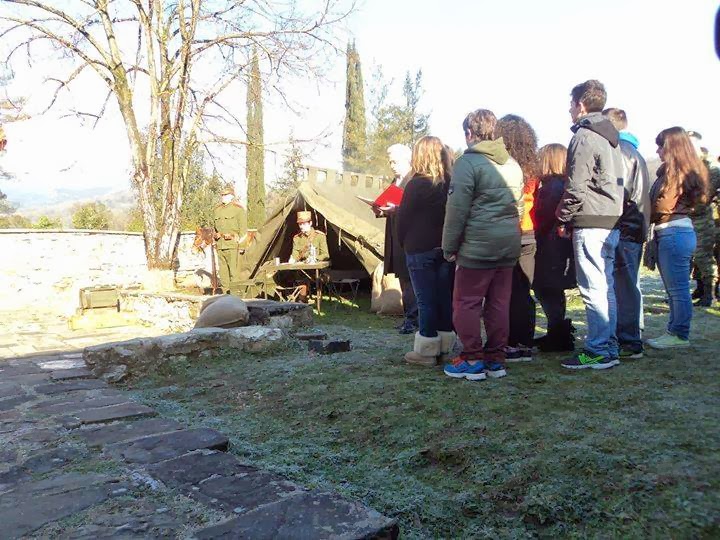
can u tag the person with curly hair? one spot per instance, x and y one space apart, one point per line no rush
521 142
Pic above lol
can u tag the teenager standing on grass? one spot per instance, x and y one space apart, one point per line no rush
521 142
591 208
682 184
419 228
554 260
482 234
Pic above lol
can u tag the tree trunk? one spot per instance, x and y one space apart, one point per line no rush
160 235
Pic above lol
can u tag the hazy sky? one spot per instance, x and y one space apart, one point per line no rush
655 57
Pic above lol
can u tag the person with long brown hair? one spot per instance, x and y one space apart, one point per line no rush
419 229
521 142
682 184
554 259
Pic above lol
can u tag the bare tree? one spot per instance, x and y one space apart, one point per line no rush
184 54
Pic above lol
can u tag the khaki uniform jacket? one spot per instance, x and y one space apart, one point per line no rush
302 243
230 220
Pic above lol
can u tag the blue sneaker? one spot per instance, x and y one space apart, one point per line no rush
495 370
460 369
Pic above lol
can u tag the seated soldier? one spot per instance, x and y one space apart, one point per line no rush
309 245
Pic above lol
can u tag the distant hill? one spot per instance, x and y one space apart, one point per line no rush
60 203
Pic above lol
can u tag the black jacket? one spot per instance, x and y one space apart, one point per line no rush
635 220
554 259
594 192
393 254
421 215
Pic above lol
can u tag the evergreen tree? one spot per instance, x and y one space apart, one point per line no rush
255 163
94 215
417 123
292 169
354 147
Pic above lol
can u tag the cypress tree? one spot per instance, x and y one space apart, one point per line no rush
255 162
354 132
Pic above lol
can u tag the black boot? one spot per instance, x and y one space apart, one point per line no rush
560 339
699 291
717 290
706 300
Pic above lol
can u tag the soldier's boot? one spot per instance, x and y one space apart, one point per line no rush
425 351
706 300
699 292
447 342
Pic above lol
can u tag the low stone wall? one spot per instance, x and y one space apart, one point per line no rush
177 312
49 267
114 362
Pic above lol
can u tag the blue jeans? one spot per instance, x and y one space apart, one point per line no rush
432 279
676 246
594 266
628 294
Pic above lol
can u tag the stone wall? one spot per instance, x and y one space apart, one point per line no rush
47 268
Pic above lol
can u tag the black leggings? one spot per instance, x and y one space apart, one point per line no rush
554 305
522 305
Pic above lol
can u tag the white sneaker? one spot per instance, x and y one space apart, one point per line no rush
668 341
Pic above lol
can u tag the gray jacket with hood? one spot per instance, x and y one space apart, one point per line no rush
594 193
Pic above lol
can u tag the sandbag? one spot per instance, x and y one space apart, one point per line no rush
224 311
390 301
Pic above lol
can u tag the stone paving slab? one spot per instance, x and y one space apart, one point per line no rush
8 404
70 407
10 389
125 411
169 445
245 492
30 379
72 373
122 432
306 516
62 387
194 468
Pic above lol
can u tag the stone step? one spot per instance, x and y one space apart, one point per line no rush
306 515
156 448
127 431
69 374
123 411
62 387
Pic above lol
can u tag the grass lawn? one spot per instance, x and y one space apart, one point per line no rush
631 452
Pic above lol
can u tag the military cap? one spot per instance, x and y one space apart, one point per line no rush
228 190
304 216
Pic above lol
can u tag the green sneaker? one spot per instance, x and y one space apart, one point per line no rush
631 353
586 360
668 341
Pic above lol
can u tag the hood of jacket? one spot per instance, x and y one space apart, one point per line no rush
630 138
597 123
493 150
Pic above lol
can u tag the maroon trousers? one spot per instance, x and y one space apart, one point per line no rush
482 294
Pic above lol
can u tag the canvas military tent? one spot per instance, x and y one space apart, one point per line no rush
355 236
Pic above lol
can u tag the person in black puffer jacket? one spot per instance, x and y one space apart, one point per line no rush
554 260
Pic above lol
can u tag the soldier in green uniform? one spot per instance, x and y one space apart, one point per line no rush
230 220
706 270
309 245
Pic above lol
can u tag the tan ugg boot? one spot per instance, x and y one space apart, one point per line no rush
425 351
447 342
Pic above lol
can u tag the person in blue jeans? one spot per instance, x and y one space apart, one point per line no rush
591 207
633 225
419 225
682 183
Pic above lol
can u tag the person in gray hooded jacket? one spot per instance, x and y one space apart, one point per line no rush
591 206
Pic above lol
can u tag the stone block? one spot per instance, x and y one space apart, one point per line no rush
157 448
124 411
329 347
8 389
194 468
310 334
127 431
244 492
306 516
253 338
63 387
70 374
11 403
64 406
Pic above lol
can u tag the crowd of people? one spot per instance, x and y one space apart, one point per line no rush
478 238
